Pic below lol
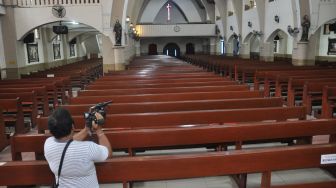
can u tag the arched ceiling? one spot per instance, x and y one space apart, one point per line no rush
193 10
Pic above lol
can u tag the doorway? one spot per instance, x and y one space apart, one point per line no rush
190 48
152 49
172 49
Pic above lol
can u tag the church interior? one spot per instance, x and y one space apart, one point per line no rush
200 93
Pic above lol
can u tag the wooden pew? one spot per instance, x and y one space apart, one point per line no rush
41 94
312 91
284 80
29 103
167 97
50 88
195 136
328 101
148 77
104 80
107 92
166 119
295 87
3 137
112 85
119 108
61 83
271 77
13 114
149 168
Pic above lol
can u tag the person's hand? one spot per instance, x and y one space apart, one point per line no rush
95 126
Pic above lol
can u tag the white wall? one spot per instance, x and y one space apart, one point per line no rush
2 50
161 42
255 44
231 21
219 22
281 8
2 9
169 30
91 45
176 16
252 16
90 15
321 12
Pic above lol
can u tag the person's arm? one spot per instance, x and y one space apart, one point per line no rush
81 135
102 140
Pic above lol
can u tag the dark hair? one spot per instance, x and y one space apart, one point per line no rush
60 123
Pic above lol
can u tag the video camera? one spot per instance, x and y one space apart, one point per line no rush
90 116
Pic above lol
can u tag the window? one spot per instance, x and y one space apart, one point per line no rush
276 46
222 47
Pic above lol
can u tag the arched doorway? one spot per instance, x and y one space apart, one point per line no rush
233 45
152 49
190 48
172 49
279 44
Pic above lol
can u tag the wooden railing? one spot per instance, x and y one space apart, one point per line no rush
33 3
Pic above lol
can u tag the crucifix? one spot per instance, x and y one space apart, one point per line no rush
168 8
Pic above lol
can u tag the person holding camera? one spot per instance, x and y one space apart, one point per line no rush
71 158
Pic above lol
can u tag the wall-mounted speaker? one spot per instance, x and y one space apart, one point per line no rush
29 38
73 41
60 29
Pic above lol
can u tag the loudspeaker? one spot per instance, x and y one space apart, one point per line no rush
61 29
73 41
332 27
29 38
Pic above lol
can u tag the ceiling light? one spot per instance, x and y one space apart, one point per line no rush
127 19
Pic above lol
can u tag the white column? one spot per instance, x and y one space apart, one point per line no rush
213 46
229 48
119 58
137 48
2 55
108 55
244 50
266 52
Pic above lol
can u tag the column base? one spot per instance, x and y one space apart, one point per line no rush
113 67
267 58
303 62
244 56
108 67
10 73
119 67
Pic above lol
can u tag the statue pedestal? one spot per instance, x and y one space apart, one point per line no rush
301 55
119 60
113 56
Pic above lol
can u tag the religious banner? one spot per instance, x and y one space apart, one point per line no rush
332 47
32 52
57 51
72 50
